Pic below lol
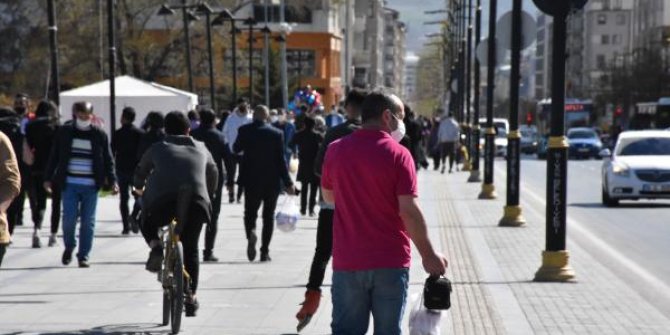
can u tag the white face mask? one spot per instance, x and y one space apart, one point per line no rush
274 118
399 132
83 125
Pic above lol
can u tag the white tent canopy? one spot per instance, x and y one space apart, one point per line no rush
143 96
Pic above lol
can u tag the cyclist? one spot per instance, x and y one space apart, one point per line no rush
168 165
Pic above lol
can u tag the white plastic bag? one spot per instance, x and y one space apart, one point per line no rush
423 321
288 214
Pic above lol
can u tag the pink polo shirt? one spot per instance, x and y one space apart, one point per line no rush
367 171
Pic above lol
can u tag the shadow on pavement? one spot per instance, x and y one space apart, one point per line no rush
622 205
123 329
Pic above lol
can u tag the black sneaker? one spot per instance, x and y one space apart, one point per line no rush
134 224
84 264
265 258
191 306
125 231
155 260
251 246
208 256
67 257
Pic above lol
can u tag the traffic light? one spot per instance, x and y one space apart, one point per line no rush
529 118
618 111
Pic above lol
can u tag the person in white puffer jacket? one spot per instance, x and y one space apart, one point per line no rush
238 118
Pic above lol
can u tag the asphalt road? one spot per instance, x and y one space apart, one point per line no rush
632 239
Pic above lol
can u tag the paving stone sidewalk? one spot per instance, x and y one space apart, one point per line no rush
491 269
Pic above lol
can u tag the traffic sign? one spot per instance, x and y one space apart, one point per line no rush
504 30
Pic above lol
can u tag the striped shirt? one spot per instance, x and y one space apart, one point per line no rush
80 166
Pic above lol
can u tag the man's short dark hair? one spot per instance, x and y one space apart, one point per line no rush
355 98
376 103
155 120
176 123
207 117
242 100
82 106
128 114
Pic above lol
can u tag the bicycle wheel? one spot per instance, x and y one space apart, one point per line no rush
178 287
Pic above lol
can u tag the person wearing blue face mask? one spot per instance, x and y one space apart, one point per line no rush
80 164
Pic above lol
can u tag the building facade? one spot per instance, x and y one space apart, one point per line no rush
394 50
368 43
651 24
409 88
543 57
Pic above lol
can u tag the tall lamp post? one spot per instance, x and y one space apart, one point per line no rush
187 17
468 86
488 188
203 8
226 15
111 30
53 46
512 216
555 265
475 175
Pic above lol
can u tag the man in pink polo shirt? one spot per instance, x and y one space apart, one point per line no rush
372 180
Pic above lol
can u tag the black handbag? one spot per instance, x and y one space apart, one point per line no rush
437 293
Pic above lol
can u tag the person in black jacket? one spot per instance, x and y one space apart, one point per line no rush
79 165
263 172
308 141
39 137
154 126
10 125
125 145
216 144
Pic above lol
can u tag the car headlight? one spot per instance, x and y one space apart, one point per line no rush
620 170
534 144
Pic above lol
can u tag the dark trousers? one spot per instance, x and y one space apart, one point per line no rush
324 249
313 188
38 203
125 180
231 164
252 202
448 149
15 210
161 216
213 225
3 248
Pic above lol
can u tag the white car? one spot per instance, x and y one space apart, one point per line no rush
639 167
502 129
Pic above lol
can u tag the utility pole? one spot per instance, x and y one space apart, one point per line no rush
347 64
53 46
488 188
111 30
475 173
512 212
468 87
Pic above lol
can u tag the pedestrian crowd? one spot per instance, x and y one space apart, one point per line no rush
358 162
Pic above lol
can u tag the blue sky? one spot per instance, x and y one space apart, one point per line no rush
412 13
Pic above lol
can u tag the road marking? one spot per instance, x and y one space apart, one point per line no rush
616 255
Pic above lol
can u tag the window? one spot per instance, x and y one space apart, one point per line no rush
300 63
297 14
600 62
605 39
602 19
621 19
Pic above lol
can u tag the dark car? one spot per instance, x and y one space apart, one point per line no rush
584 143
542 147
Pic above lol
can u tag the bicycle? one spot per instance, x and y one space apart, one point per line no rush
173 277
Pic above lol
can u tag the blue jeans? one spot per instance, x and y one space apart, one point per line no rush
357 293
79 200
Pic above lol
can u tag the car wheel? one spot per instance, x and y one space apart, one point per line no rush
607 200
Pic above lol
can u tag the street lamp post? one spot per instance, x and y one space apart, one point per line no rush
111 30
512 216
203 8
488 188
226 15
555 265
475 174
187 16
250 22
53 46
266 57
468 87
